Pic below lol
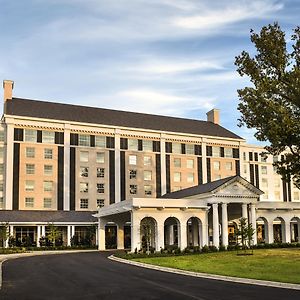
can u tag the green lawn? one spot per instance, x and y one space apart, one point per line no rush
267 264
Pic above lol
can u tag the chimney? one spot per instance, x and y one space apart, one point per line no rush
213 116
8 86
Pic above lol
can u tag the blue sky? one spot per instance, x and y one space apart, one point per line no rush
170 57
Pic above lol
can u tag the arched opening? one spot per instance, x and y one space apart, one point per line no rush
295 230
148 230
111 230
278 230
262 230
171 232
194 229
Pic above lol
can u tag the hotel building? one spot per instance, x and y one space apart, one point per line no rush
76 166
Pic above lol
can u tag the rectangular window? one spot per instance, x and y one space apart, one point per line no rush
228 152
133 189
30 168
30 135
48 154
176 148
48 170
1 186
244 156
100 157
263 157
100 141
296 196
48 186
177 162
264 170
84 140
1 202
148 190
245 168
132 159
133 145
29 202
1 152
47 202
228 166
1 169
190 149
48 137
84 203
100 203
216 151
1 136
147 145
30 152
100 188
147 161
147 175
216 165
277 195
177 176
84 172
132 174
100 172
190 177
264 183
84 156
29 185
83 187
190 163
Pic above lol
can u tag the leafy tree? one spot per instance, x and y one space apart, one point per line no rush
4 232
271 104
148 233
53 234
244 233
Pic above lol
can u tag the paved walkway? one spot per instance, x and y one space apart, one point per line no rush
93 276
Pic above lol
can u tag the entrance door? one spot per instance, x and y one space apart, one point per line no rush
111 237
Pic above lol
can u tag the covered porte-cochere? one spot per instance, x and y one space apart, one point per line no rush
201 215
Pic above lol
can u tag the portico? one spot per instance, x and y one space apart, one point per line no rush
196 216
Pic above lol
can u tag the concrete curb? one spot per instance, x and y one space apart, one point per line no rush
266 283
5 257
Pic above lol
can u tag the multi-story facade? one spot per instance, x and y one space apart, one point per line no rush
59 163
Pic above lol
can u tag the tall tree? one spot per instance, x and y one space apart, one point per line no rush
271 104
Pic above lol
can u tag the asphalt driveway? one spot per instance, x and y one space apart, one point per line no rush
93 276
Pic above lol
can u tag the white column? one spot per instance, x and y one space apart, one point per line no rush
43 230
245 211
224 225
69 236
135 233
38 235
204 240
117 167
270 233
204 165
160 236
253 222
183 236
97 235
67 167
216 241
101 234
163 165
9 158
120 236
286 237
72 230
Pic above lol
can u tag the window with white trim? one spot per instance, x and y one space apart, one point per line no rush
147 145
84 172
228 166
177 163
29 185
133 145
100 172
48 170
228 152
48 137
147 161
1 202
133 189
47 202
100 157
29 202
84 156
147 175
190 177
216 151
132 159
30 152
84 140
190 163
148 190
264 170
83 187
100 188
190 149
132 174
100 141
216 165
177 176
48 153
30 169
100 202
48 186
84 203
176 148
30 135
